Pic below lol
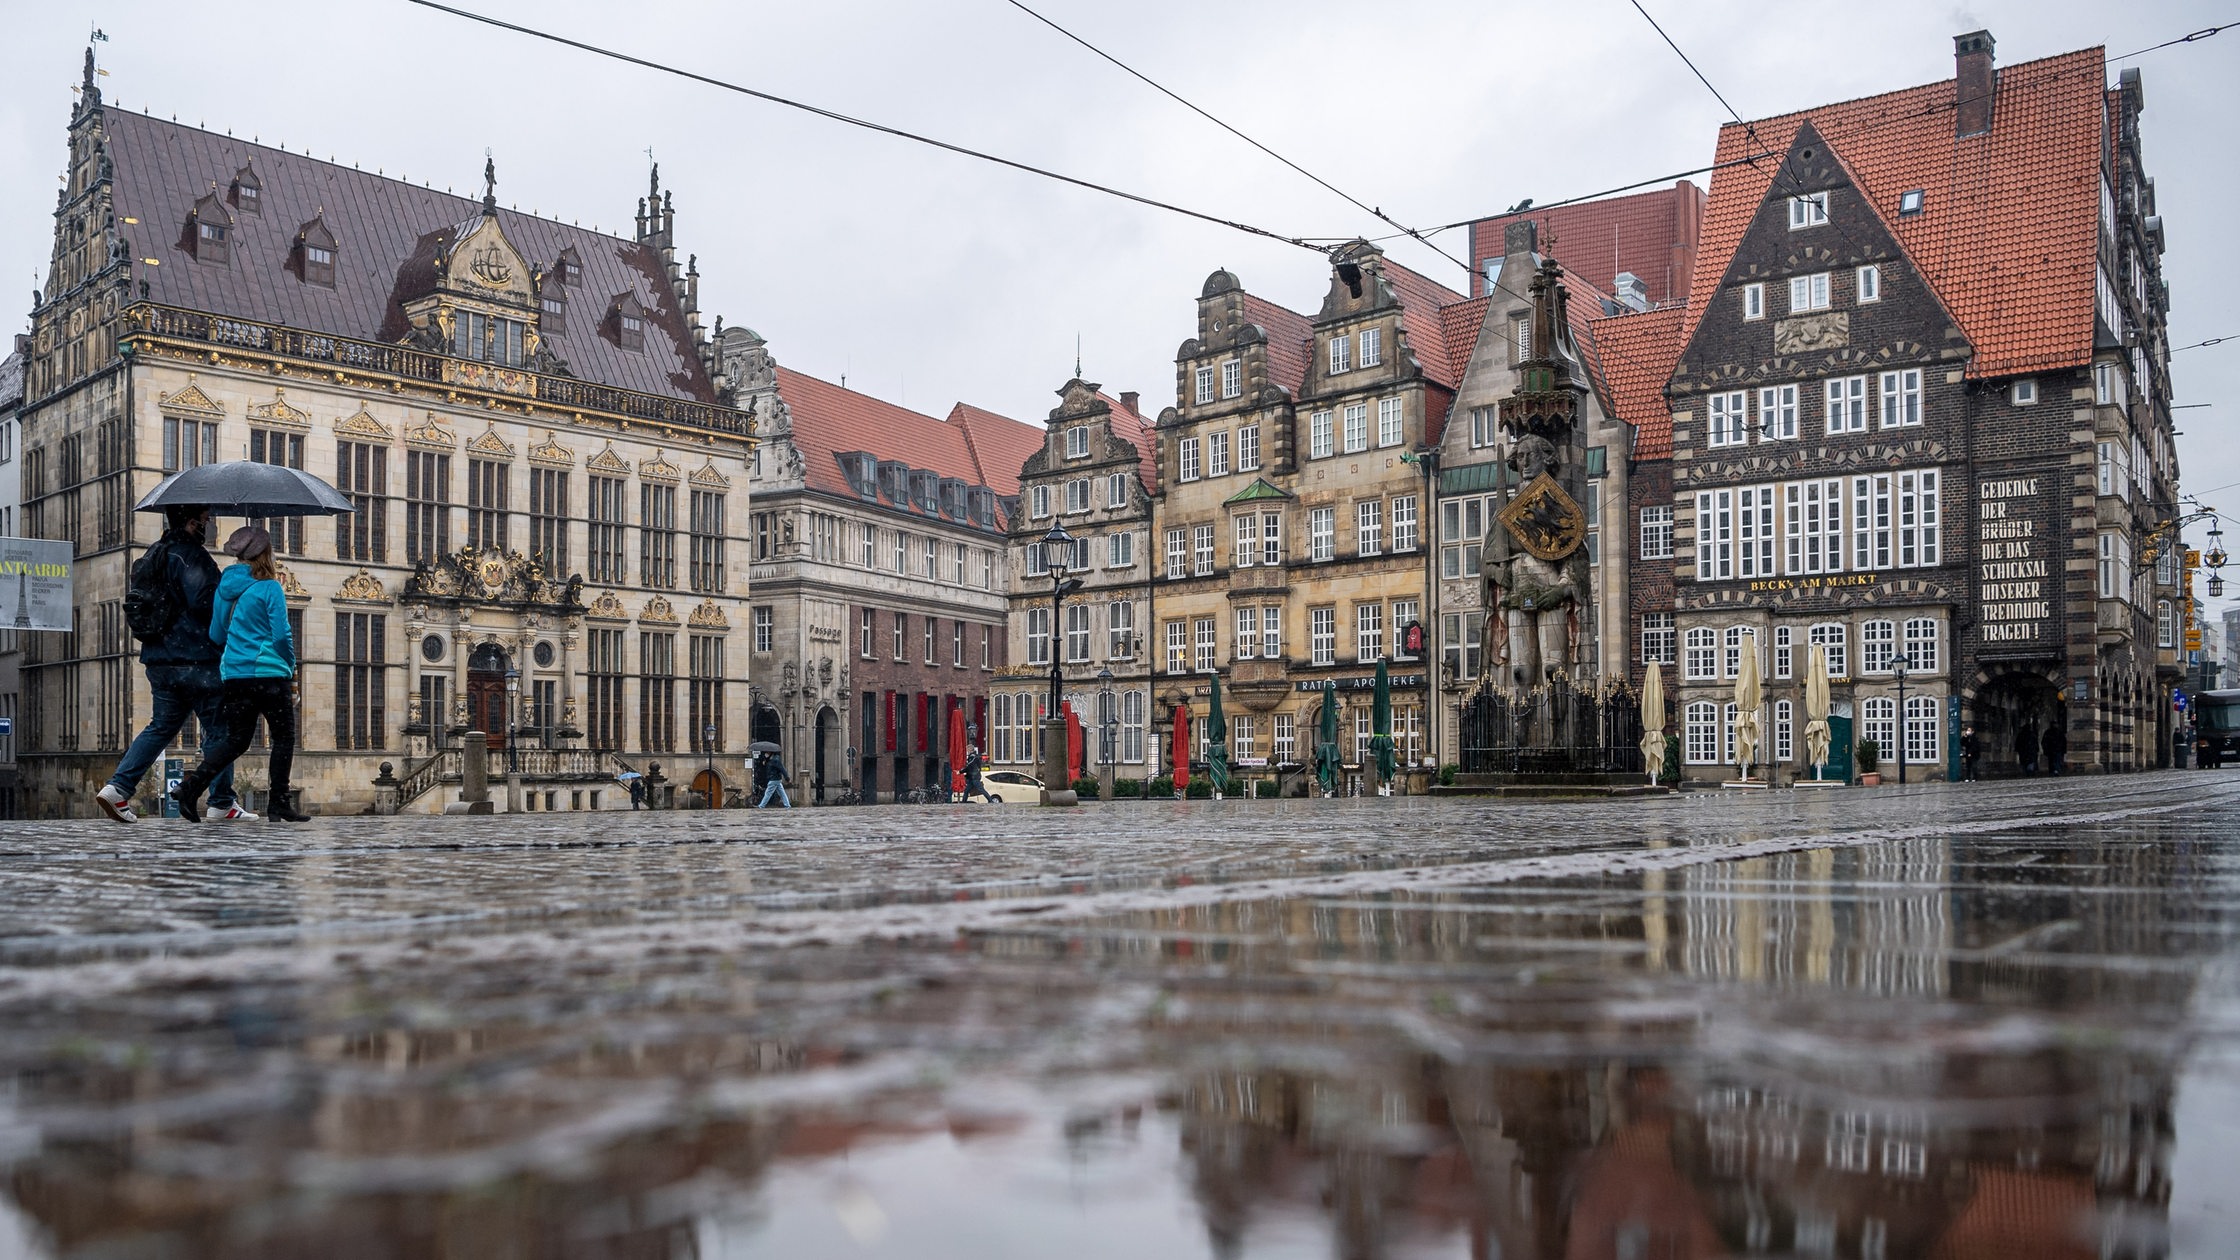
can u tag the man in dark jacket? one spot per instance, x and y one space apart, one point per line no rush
182 669
2056 744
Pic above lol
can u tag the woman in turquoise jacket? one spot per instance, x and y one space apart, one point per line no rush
249 623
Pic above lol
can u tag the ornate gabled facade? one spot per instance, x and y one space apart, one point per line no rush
876 553
509 401
1293 505
1095 475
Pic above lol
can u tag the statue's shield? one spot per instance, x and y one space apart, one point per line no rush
1544 520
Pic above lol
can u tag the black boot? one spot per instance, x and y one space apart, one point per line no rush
280 806
188 796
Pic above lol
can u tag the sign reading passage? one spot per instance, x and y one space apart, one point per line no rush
35 584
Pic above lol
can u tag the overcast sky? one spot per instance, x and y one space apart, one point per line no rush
926 278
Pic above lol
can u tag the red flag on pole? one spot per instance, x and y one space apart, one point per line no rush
956 752
1181 748
1076 755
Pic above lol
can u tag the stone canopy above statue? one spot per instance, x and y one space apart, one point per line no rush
488 576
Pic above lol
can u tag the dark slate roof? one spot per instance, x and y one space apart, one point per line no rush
381 225
11 380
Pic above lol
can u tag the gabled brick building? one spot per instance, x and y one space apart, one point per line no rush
1921 420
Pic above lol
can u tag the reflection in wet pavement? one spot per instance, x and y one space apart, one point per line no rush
2002 1019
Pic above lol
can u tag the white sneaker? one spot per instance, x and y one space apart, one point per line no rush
116 804
232 813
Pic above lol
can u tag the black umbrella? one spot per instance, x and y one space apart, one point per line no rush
764 746
244 487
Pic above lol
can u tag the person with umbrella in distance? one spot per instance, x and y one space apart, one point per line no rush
168 610
249 620
771 774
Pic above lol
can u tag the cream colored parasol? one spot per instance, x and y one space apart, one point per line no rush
1652 722
1748 694
1816 735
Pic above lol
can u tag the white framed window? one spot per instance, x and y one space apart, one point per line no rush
1357 427
1040 501
1520 337
1485 427
1341 354
1714 535
1178 553
1240 736
1206 644
1246 553
1372 347
1038 636
1178 647
2024 393
1368 632
1461 536
1134 710
1247 643
1870 283
1186 459
1923 643
1369 516
1808 293
1808 210
1870 522
1217 454
1404 528
2165 624
1701 724
1204 383
1784 730
1404 612
1232 377
1812 526
2114 568
1726 733
1322 533
1388 422
1120 629
1754 532
1784 652
1283 742
2104 384
1924 745
1920 525
1727 418
1271 630
1077 442
1754 301
1248 448
1271 538
1901 398
765 628
1036 562
1120 550
1777 413
1847 405
1879 722
1322 634
1656 533
1878 646
1201 549
1658 646
1318 435
1077 634
1703 655
1001 722
1834 640
1077 495
1116 490
1736 641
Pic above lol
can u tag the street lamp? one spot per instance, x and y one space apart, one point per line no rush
1108 721
513 740
1057 557
708 742
1899 666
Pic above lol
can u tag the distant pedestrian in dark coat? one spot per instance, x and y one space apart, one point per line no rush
1970 749
2026 748
973 785
2056 744
637 793
774 766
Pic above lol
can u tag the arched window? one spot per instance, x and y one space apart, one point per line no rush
1922 654
1702 733
1923 745
1879 722
1784 731
1830 636
1877 646
1703 654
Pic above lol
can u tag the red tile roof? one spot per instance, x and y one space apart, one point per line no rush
1634 354
829 420
1421 301
380 226
1651 234
1460 324
1131 427
2009 234
1290 342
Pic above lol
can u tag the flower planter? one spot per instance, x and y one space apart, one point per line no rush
1870 778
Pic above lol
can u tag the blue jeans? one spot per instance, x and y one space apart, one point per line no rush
178 690
777 788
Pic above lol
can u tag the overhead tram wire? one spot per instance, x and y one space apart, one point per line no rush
868 125
1404 230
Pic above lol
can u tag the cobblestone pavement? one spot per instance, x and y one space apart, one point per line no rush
1891 1022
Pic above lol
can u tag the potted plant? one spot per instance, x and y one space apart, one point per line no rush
1870 763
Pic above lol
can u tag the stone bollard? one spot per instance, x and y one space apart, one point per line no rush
387 792
474 777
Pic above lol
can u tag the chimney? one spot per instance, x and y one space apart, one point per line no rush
1631 292
1129 398
1974 80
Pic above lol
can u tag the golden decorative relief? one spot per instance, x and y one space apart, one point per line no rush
607 461
660 610
489 443
659 469
279 412
291 585
189 400
362 586
1544 520
708 616
550 451
432 434
363 425
706 475
607 608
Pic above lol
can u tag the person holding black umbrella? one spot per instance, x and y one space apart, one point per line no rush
249 619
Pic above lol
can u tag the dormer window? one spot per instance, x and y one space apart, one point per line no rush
1810 210
629 323
246 193
570 267
1912 201
552 303
209 231
490 338
314 253
1077 442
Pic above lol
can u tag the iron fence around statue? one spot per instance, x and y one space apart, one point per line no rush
1559 729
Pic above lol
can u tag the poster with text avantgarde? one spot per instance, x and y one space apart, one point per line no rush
35 584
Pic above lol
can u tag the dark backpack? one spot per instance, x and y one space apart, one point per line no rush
154 601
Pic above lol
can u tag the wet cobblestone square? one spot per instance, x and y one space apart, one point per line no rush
1920 1022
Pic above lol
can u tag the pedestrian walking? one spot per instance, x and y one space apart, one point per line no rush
2026 749
2056 744
774 766
1970 749
167 608
637 793
249 621
973 784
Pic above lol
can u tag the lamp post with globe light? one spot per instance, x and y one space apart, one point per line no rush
1057 557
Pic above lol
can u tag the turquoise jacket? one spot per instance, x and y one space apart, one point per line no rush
249 620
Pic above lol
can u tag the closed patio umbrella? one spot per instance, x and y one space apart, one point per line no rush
1748 694
1652 722
1075 752
956 753
1326 757
1380 731
1217 742
1816 734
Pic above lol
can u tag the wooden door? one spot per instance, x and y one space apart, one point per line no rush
486 706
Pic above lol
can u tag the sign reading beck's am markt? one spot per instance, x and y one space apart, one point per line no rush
35 584
2014 573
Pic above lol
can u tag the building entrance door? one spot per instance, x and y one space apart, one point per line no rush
486 694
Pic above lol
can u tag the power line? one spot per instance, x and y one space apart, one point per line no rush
2213 341
2204 33
867 124
1167 92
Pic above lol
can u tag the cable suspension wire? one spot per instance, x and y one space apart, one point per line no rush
867 124
1170 94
